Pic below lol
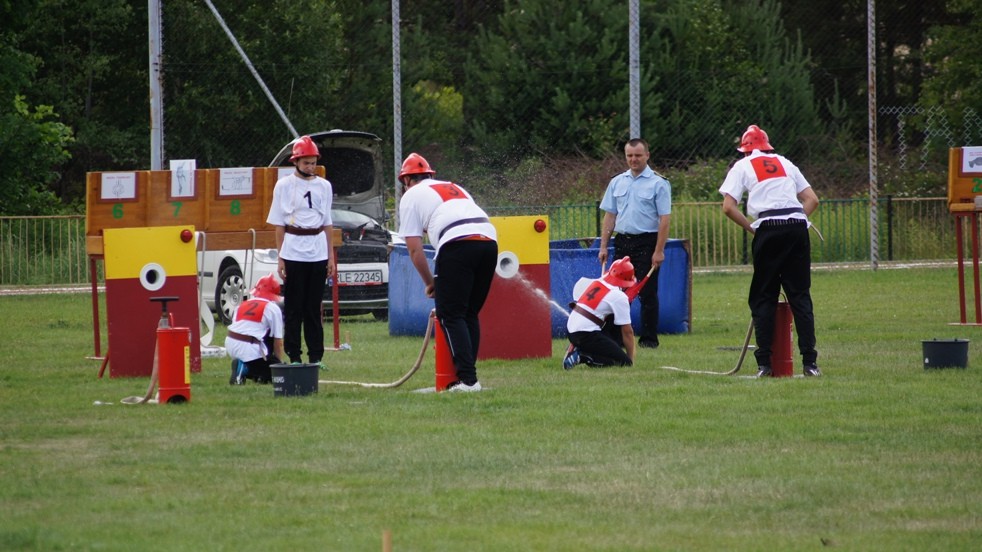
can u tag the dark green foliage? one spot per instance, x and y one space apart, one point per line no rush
504 95
553 77
296 47
32 143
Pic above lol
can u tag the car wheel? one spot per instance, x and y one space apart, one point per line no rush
381 314
229 293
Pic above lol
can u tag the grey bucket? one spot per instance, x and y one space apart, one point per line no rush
945 353
293 380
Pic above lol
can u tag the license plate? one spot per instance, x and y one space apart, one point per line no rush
359 277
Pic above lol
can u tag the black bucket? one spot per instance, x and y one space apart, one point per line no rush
294 380
945 353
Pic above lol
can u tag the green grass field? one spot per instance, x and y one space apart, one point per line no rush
879 454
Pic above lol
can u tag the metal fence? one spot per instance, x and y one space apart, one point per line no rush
51 250
43 250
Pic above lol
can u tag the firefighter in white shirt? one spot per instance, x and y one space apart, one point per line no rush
466 257
256 325
599 327
780 199
301 213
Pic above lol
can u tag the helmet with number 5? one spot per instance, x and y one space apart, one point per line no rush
267 288
754 138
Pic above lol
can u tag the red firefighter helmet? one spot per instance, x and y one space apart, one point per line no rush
267 288
621 273
754 138
415 164
304 147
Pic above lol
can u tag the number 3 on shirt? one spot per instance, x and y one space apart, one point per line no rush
448 191
767 167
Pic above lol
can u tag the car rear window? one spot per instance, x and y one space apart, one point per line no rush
350 171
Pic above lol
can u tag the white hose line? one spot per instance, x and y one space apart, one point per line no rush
150 389
405 377
743 354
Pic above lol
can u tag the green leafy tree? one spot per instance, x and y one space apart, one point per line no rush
215 111
32 140
94 75
552 76
32 145
954 60
722 67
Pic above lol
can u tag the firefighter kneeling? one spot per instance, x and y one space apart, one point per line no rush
256 325
599 327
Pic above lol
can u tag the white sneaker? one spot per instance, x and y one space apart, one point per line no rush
462 387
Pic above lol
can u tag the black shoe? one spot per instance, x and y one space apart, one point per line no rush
648 343
764 372
812 370
239 371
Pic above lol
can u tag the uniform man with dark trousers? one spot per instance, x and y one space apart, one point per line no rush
466 257
780 199
638 206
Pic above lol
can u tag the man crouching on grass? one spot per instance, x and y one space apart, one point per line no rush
594 340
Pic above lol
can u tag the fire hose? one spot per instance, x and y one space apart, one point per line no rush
739 364
146 398
406 376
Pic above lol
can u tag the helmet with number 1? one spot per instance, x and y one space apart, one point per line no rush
415 164
621 273
267 288
754 138
304 147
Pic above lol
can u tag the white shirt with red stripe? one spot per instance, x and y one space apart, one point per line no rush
254 317
771 182
432 207
600 299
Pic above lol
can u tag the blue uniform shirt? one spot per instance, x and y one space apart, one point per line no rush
638 203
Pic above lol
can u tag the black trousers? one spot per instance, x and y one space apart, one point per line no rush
640 247
462 279
303 291
603 348
782 259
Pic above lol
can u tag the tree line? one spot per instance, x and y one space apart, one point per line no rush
528 98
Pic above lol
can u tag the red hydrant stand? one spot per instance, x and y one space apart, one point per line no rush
174 365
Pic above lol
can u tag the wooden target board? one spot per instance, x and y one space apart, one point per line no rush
229 204
965 179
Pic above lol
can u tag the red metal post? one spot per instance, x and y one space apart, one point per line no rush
975 266
95 306
961 267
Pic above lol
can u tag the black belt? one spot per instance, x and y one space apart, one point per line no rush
298 231
588 315
782 222
460 222
244 337
628 237
779 212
